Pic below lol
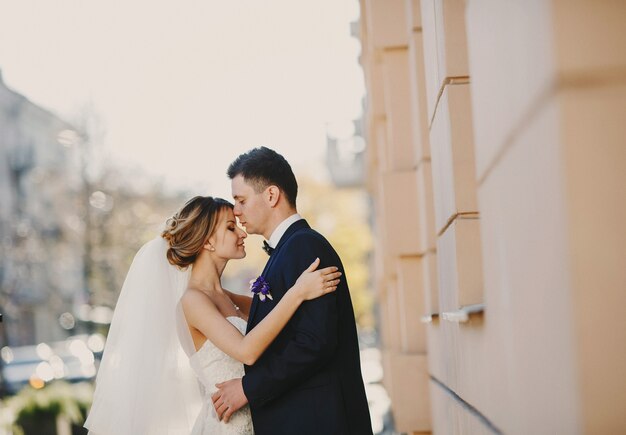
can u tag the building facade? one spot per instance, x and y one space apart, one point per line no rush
497 166
41 222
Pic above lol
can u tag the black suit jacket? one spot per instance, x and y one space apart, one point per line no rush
309 379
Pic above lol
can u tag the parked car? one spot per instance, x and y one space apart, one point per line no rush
74 359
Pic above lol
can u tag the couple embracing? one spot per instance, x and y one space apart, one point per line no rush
186 356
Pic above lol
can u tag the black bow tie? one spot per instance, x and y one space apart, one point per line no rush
267 248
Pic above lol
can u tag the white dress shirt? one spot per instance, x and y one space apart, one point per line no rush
278 233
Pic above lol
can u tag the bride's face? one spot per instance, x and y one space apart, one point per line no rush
228 238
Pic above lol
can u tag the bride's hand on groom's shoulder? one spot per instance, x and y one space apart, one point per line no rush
229 398
314 283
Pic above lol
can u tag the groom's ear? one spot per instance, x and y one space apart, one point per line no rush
272 195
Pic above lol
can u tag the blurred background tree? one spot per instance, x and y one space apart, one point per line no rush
342 216
127 210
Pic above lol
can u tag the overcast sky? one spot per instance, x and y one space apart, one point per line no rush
184 87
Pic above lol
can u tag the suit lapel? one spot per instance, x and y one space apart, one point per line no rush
290 231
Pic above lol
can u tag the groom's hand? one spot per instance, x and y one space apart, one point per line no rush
228 398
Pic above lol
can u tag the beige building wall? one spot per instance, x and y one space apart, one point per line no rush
497 166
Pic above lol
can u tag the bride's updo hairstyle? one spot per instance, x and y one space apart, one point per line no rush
190 228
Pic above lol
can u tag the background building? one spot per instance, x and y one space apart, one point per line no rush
496 162
41 221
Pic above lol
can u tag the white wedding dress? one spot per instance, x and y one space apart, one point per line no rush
213 366
151 380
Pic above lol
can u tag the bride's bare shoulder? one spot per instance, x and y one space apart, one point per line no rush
193 293
193 298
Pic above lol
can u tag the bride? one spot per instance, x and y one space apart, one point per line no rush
176 332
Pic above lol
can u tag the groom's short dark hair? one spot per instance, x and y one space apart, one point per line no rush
264 167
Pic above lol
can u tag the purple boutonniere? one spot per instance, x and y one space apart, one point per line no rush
261 287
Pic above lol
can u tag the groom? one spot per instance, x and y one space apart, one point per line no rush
309 380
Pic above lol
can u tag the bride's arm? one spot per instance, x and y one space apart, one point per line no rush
203 315
242 301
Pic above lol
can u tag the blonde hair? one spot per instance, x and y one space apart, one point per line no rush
190 228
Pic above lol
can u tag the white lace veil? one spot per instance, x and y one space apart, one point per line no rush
145 385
